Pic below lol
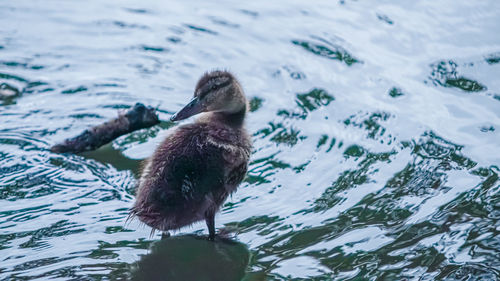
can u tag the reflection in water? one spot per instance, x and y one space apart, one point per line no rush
327 50
493 58
255 103
349 179
108 155
369 160
313 100
370 123
445 74
190 257
396 92
347 240
282 132
13 86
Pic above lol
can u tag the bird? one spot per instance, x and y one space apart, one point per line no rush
199 164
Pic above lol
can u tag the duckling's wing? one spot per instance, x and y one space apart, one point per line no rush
182 168
236 168
196 172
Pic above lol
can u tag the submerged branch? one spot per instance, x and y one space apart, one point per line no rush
138 117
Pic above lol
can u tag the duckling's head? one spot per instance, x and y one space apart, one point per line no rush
216 91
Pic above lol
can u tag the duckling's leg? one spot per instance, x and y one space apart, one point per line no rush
210 220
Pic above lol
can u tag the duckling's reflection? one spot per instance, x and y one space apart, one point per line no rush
191 257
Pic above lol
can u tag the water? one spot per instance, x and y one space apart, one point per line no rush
376 130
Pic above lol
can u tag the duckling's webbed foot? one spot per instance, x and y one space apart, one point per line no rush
210 220
165 235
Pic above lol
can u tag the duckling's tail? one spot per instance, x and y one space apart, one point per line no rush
131 215
134 213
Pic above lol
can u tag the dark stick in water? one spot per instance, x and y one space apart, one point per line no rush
138 117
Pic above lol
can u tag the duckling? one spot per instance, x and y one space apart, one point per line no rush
200 164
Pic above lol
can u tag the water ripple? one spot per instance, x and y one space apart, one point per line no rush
375 129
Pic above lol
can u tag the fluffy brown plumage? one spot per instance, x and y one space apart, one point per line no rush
196 167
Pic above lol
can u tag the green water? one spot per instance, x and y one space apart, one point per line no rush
376 130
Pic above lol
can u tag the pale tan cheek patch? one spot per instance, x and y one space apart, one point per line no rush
213 103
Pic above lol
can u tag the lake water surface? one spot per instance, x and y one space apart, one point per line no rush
376 130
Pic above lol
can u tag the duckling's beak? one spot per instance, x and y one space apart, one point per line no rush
192 108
